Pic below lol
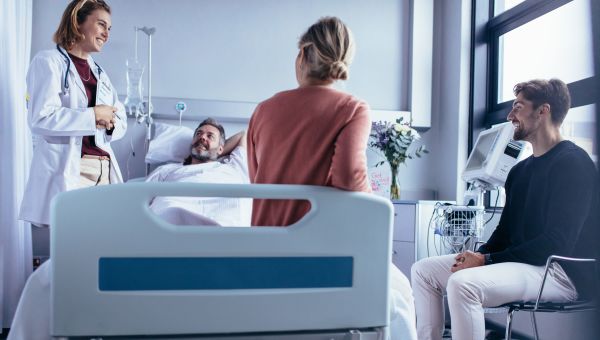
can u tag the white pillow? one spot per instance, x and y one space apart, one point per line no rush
170 143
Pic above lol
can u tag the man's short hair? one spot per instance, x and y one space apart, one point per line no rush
213 122
553 92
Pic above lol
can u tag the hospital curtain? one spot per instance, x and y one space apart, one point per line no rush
15 143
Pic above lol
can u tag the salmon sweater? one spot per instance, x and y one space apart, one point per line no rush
311 135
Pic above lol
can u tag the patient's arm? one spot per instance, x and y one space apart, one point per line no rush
239 139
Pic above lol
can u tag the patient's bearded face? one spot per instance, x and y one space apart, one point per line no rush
205 146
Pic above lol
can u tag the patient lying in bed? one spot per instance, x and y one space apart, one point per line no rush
212 159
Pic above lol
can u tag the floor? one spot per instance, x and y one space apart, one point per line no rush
490 335
494 334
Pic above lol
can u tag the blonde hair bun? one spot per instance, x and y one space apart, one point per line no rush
328 48
338 70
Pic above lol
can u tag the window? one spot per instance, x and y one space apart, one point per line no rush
579 128
518 40
500 6
557 44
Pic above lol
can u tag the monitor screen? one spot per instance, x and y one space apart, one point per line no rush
513 149
492 157
481 150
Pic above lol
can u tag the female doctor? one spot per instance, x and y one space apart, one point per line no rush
73 112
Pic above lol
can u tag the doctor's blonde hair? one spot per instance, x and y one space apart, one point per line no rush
74 15
328 49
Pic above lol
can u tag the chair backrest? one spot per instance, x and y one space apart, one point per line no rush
120 270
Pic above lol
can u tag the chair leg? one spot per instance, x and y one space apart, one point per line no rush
509 319
535 329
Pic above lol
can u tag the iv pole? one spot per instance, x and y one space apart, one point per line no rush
147 117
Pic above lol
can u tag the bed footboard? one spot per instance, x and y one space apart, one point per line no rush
120 270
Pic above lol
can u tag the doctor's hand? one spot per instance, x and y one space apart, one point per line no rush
110 125
105 116
466 260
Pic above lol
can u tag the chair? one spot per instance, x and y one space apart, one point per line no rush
544 307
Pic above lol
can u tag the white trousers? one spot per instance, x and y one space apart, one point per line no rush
94 171
32 318
468 291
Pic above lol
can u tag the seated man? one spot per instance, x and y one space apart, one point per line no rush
32 318
212 159
551 209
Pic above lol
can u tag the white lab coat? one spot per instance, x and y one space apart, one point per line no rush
58 120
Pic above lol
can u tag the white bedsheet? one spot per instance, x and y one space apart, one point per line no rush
205 210
32 318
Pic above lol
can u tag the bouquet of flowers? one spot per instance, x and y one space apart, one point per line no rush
395 143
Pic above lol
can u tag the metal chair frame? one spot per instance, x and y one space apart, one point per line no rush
545 307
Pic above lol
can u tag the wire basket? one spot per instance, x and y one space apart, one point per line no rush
458 226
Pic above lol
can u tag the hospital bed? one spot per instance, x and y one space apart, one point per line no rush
120 271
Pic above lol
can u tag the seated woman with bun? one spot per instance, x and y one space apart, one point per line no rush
317 135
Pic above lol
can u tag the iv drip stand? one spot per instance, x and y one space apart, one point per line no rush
148 115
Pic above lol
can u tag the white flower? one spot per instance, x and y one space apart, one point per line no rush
401 128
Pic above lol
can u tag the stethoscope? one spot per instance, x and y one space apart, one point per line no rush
68 60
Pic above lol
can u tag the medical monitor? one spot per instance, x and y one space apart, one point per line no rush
493 155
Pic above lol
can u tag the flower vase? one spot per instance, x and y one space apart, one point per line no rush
395 186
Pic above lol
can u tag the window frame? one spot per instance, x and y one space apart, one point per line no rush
596 47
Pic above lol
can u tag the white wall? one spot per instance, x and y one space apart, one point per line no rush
450 107
241 50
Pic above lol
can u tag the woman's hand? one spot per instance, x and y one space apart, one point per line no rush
105 116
